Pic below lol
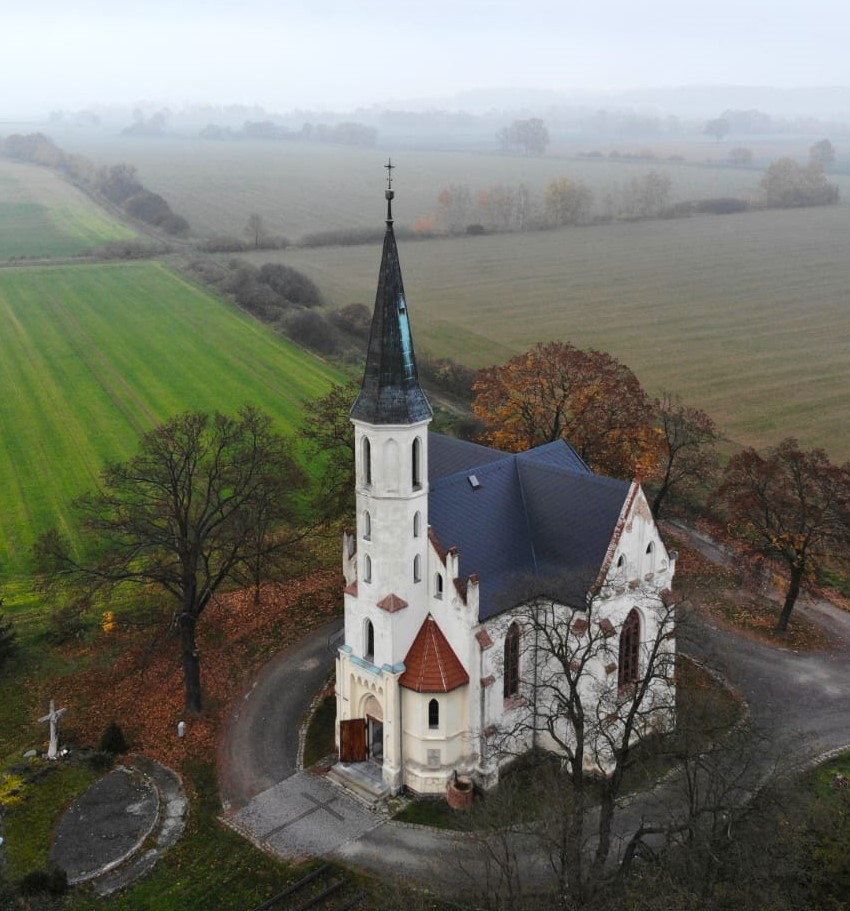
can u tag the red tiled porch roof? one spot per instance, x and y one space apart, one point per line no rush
431 666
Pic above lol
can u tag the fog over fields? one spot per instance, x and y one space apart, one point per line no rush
335 54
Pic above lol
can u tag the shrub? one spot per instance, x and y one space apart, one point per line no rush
223 245
69 622
101 761
39 882
8 640
129 249
722 205
312 330
112 740
290 284
353 319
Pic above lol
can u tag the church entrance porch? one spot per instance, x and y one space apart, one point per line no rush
361 753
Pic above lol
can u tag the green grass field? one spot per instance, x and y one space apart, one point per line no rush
42 215
91 356
746 316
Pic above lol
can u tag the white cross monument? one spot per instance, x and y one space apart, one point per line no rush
53 717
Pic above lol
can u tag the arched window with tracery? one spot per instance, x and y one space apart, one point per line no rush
511 681
629 664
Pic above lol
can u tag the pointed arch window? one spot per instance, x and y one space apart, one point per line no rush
433 715
629 664
417 524
417 568
366 451
369 641
650 557
438 585
511 681
367 526
367 568
416 463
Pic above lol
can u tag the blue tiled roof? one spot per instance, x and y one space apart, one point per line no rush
447 455
538 521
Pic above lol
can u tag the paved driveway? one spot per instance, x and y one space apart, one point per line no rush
800 703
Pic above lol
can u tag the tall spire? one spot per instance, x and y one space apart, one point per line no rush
390 393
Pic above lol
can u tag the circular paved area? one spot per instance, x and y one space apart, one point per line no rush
106 825
121 826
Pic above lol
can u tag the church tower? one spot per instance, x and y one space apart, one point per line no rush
385 562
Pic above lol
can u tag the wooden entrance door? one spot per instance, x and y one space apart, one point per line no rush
352 740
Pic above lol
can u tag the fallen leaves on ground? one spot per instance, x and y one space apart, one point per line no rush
741 600
135 677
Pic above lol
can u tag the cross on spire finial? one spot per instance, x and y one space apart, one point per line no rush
390 193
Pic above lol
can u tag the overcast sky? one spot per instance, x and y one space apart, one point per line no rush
338 54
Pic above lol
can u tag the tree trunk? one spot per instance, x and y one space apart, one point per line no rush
191 663
790 599
661 495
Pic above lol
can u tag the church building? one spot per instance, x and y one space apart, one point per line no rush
452 539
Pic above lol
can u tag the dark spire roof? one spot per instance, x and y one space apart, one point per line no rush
390 393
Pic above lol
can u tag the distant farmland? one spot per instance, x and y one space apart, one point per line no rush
91 356
43 215
299 188
747 316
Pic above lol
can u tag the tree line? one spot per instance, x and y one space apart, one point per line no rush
460 209
346 133
117 183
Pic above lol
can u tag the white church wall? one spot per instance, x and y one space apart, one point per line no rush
432 755
394 537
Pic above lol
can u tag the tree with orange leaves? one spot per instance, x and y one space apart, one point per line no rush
555 391
793 505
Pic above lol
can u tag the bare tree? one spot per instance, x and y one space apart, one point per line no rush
687 454
256 229
593 692
791 505
206 501
822 154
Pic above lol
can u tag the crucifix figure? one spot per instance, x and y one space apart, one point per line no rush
53 717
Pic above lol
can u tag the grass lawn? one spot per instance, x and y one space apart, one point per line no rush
92 356
48 789
42 215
